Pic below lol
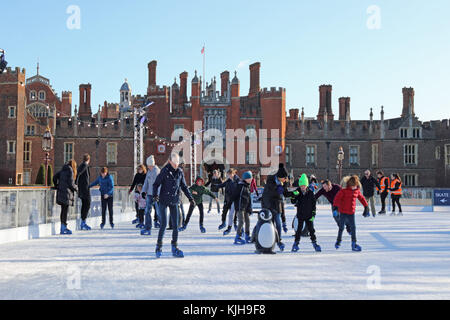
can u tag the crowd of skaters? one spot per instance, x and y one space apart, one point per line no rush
160 191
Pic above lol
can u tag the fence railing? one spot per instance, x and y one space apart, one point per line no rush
27 206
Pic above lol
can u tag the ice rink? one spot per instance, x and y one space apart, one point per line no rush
403 258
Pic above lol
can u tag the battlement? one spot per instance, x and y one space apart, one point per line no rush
158 91
273 92
13 75
66 93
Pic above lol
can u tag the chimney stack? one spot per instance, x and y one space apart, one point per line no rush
254 79
325 102
225 80
408 102
84 110
152 74
183 87
344 108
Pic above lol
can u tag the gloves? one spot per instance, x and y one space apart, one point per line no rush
285 229
335 213
335 208
143 195
366 212
155 198
312 219
378 192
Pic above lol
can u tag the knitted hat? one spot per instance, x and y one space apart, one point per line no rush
199 178
247 175
282 173
303 181
151 161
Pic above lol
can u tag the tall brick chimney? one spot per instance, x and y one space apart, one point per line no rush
225 79
84 110
254 78
408 100
66 104
183 87
152 74
325 102
344 108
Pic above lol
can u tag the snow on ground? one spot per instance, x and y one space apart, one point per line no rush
410 256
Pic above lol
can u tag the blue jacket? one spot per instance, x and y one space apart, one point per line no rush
106 185
171 181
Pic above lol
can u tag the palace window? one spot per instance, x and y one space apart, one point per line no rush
410 154
447 154
288 153
68 151
113 174
374 155
310 155
33 95
11 147
411 180
416 133
437 153
41 95
31 130
27 151
27 176
111 153
403 133
354 155
250 157
11 112
250 131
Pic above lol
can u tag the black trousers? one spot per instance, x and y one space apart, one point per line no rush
396 200
141 214
189 214
64 211
85 206
107 203
383 200
308 225
226 207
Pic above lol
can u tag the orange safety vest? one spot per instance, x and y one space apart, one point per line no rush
384 184
397 192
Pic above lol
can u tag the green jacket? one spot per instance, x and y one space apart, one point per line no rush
201 190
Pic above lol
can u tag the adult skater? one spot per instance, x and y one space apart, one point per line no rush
214 182
65 185
228 206
369 183
383 190
83 181
345 203
147 193
396 193
329 190
272 198
171 180
198 190
305 201
242 203
106 183
139 178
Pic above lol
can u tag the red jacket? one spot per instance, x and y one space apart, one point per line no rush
345 200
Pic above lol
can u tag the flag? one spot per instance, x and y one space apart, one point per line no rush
203 50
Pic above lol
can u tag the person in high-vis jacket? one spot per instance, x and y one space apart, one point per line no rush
383 190
396 193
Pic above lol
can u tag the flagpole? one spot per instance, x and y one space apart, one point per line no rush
204 66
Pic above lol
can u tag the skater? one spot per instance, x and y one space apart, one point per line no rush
383 190
306 212
198 190
345 203
82 181
272 197
214 181
396 193
228 206
147 191
369 183
106 183
312 183
139 178
65 186
170 180
242 199
3 62
141 204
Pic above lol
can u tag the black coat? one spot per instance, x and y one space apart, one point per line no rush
271 198
139 178
230 186
306 204
214 182
83 181
242 197
171 181
369 186
65 186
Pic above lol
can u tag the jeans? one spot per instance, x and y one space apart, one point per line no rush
211 200
64 211
349 221
191 209
243 218
163 219
337 218
85 206
148 212
371 202
276 217
107 203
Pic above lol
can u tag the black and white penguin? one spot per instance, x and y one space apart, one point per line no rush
265 235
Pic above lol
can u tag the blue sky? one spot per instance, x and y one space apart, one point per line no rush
300 44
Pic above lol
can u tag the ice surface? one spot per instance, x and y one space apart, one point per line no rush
411 255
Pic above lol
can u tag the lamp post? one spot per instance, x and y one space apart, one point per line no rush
47 146
340 161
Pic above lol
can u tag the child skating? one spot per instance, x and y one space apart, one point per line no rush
345 203
141 203
243 205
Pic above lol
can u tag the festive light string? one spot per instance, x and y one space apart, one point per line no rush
105 124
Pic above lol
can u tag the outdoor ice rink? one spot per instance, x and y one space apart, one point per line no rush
403 258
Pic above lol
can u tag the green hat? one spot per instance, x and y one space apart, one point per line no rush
303 181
